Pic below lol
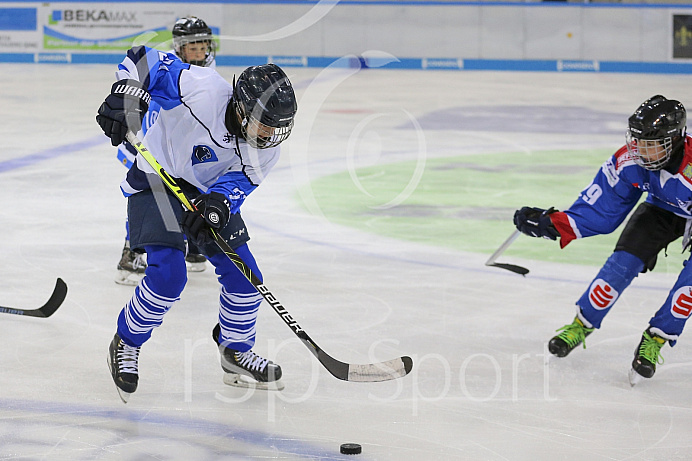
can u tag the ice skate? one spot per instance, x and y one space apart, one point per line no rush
646 357
195 262
131 267
572 335
247 369
122 362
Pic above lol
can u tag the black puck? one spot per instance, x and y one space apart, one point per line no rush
350 449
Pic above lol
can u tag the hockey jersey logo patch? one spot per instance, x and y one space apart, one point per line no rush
203 154
610 172
681 304
602 295
687 172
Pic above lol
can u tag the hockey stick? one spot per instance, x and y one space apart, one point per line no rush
510 267
56 299
372 372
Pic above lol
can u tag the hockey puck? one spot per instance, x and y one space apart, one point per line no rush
350 448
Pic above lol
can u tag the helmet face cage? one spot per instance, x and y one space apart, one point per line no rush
209 55
267 117
261 136
656 130
652 154
193 30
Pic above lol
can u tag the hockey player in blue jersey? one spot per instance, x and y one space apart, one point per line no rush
656 160
219 141
194 44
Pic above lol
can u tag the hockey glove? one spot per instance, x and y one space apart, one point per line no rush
213 212
536 222
123 110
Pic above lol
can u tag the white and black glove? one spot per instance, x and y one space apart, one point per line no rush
213 212
536 222
123 110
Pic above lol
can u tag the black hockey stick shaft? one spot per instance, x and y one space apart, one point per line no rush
510 267
48 309
384 371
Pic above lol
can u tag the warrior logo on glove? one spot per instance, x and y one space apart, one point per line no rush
123 110
136 91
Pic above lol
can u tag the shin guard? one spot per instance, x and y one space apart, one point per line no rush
614 277
239 301
670 319
165 279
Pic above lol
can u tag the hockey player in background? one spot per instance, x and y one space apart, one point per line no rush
219 141
194 44
656 159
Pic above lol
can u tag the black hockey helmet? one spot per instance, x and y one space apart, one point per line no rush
264 100
656 131
193 30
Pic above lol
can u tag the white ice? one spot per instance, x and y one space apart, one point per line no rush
481 387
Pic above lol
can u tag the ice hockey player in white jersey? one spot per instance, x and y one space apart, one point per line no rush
194 44
656 159
219 141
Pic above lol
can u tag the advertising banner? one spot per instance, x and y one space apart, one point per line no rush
682 36
116 26
18 29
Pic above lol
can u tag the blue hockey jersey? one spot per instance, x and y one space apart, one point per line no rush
605 203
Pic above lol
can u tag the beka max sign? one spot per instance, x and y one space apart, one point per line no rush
95 16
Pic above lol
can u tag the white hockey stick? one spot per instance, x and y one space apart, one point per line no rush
510 267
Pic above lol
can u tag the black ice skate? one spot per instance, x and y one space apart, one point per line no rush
646 357
572 335
195 262
122 361
239 366
131 267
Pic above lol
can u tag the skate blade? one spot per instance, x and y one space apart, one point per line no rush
128 278
550 358
124 396
196 267
236 380
635 377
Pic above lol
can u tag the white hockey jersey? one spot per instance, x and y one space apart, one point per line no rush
190 139
127 153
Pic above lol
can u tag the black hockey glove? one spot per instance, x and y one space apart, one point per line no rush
123 110
536 222
213 212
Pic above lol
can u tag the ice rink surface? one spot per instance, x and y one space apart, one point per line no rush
481 388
